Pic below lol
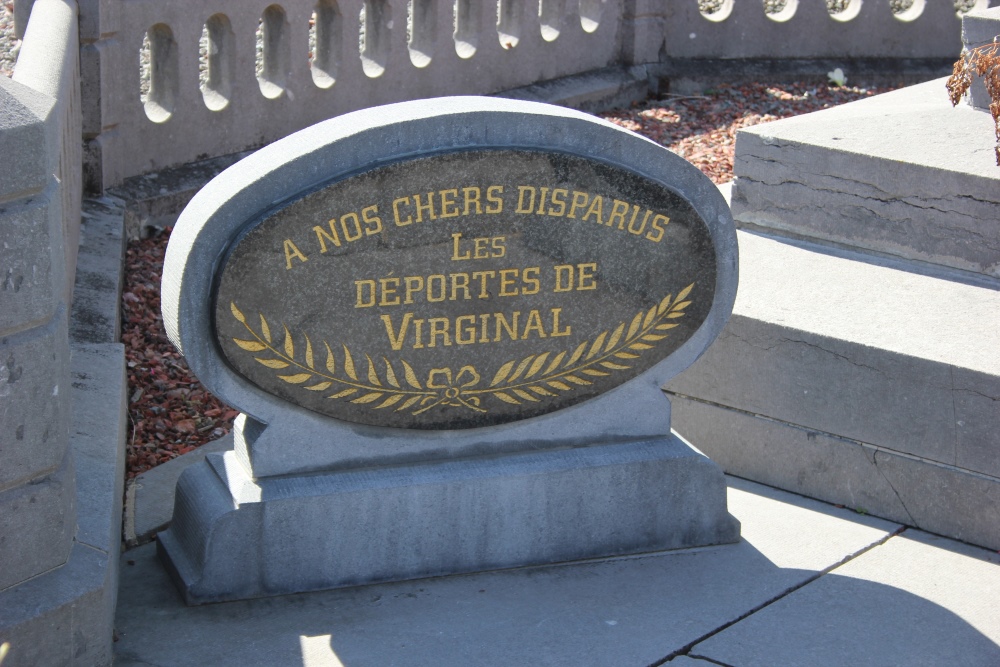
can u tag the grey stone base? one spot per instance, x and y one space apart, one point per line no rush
235 538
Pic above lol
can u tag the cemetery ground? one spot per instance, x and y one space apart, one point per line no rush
171 414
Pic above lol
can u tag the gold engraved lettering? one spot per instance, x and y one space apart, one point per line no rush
363 302
509 327
439 327
541 203
418 334
508 278
388 292
532 285
472 196
440 296
323 237
495 200
414 285
290 252
565 275
534 323
482 276
555 325
355 224
586 277
580 200
657 228
465 334
484 320
596 209
422 208
499 250
459 281
645 218
449 208
480 251
523 207
394 382
396 339
618 211
395 211
455 255
558 199
373 223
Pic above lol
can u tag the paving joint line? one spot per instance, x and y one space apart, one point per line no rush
685 650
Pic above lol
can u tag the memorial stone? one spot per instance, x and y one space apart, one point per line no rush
446 323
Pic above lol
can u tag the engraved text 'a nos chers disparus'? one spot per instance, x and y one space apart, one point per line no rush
465 289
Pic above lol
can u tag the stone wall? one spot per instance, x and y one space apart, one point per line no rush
166 83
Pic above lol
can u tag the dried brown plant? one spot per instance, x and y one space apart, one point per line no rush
982 61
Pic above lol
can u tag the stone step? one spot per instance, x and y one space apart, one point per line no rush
902 175
859 384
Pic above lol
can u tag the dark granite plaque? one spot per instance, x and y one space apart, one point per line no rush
464 289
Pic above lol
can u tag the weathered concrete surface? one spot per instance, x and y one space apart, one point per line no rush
901 174
918 599
829 364
624 611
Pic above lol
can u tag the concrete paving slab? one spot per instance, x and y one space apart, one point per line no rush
917 599
149 498
626 611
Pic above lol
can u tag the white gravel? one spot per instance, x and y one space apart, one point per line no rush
9 45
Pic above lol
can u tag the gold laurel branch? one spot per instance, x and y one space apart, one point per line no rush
536 377
379 389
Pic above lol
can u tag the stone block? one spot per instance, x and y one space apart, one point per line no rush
903 175
34 390
359 527
31 271
63 618
98 442
978 29
939 498
37 525
96 311
852 349
24 169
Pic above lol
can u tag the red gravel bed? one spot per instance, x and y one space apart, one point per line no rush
171 413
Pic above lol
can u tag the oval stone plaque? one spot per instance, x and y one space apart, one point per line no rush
464 289
446 265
